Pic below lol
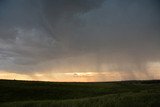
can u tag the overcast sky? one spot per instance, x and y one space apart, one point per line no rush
81 40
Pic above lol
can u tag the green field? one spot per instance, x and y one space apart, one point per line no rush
60 94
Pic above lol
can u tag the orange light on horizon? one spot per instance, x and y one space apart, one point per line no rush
80 76
152 72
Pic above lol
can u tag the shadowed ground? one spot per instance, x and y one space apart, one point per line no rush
100 94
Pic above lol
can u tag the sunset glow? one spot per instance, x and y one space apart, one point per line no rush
151 73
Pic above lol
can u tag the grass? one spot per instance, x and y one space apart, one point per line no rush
52 94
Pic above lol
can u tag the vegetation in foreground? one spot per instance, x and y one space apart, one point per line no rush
52 94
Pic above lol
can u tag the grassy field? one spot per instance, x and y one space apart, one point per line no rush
102 94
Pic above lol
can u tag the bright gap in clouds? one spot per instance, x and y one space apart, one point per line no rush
152 73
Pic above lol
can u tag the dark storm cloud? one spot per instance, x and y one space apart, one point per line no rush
41 34
30 32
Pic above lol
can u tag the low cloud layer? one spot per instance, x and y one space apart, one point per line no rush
61 36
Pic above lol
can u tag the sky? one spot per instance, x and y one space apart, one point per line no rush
80 40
